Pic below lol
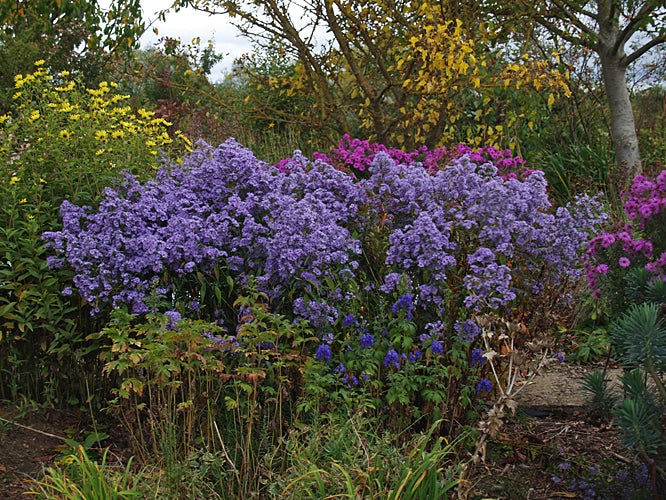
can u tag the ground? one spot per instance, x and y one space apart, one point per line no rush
30 439
554 438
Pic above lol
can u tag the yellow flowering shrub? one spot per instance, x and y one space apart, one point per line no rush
79 137
59 141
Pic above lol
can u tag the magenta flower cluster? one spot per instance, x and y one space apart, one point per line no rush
356 155
639 243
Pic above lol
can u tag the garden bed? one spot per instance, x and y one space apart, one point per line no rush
525 460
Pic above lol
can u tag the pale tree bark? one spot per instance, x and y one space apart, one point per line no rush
610 48
622 124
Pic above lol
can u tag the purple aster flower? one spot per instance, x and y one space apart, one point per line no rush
607 240
559 356
327 338
602 269
173 317
484 385
367 341
468 330
323 352
414 356
349 320
624 262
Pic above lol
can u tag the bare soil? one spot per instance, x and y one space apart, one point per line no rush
30 439
553 443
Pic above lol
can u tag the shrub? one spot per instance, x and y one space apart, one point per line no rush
615 254
59 141
392 272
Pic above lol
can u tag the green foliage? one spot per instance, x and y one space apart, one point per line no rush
650 110
590 345
572 168
59 141
639 337
77 477
77 35
603 399
351 459
160 371
185 387
640 416
640 286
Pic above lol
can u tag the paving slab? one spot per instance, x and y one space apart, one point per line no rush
559 389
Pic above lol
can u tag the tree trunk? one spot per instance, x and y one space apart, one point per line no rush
623 128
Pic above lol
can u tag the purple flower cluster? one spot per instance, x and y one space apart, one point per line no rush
222 207
323 353
499 231
468 330
367 341
473 228
405 302
477 357
639 243
484 385
392 359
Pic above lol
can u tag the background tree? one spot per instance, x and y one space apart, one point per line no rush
75 35
619 32
391 71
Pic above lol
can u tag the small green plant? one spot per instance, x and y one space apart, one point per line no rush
640 338
77 477
90 440
591 346
603 398
349 459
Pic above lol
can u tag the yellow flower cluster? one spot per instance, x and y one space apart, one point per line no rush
98 120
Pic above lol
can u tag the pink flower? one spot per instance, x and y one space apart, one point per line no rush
624 262
624 236
607 240
602 269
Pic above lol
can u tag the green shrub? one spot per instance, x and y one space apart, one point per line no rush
59 141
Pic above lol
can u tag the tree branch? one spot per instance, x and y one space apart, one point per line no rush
583 42
575 19
630 28
643 49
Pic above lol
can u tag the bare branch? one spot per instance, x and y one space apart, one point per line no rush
565 35
631 27
644 48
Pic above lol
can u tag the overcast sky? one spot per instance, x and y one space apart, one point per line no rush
187 24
